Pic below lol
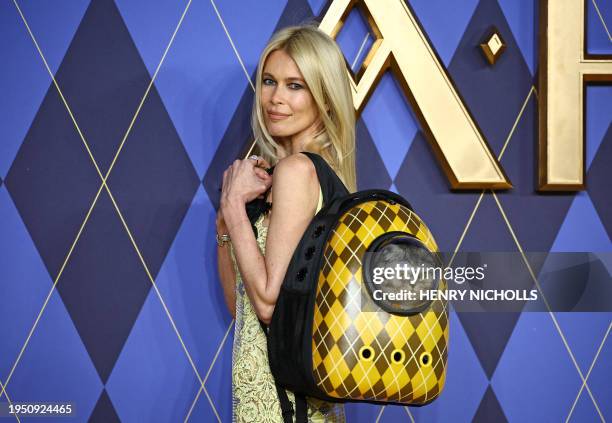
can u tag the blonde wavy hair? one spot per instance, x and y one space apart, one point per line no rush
322 65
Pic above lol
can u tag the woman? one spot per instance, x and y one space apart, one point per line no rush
302 103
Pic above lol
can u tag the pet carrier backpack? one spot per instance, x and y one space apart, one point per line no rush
334 334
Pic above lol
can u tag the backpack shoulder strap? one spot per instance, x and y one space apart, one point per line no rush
331 185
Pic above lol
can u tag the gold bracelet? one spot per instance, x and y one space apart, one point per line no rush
222 239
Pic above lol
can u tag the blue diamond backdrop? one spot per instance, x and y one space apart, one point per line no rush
109 295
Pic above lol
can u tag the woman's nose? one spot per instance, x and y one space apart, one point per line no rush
277 96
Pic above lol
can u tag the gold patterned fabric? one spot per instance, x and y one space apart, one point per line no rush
254 395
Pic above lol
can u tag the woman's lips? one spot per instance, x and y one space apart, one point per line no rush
277 116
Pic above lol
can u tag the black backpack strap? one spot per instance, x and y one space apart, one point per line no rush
301 409
286 406
301 406
256 207
331 184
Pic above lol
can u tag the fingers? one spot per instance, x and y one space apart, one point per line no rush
258 166
263 163
262 174
264 180
251 161
258 161
243 179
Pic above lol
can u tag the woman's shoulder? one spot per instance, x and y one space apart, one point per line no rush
295 176
298 166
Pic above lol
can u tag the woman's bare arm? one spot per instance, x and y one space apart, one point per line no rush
295 191
226 269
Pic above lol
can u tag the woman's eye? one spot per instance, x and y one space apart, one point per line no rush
295 86
268 81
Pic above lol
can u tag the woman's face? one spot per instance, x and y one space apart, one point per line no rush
288 107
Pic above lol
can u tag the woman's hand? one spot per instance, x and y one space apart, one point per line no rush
243 181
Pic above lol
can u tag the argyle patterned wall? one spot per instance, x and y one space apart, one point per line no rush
118 118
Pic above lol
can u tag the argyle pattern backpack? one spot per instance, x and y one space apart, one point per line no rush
332 335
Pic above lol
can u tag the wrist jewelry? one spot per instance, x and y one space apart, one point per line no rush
222 239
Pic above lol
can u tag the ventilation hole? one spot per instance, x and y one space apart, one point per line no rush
318 231
398 356
425 359
366 353
301 274
309 253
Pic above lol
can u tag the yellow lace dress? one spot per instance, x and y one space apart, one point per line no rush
254 396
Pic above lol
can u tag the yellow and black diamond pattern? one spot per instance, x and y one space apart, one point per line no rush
407 354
